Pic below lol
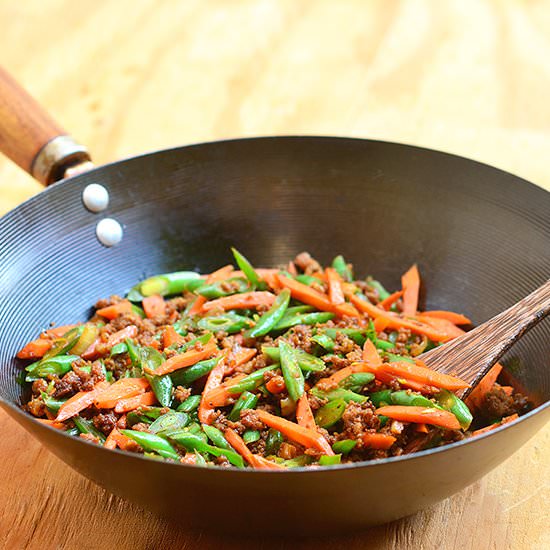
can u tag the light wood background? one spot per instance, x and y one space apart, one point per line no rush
467 76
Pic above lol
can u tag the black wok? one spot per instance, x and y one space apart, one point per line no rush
480 236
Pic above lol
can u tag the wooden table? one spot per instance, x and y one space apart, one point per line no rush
470 77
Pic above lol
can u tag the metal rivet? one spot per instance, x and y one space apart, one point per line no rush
95 197
109 232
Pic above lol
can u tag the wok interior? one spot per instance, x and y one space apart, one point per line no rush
480 236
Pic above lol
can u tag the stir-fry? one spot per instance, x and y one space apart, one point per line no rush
261 368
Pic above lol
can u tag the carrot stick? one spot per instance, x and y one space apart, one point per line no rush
186 359
304 414
246 300
421 415
79 402
121 389
53 423
196 308
275 385
114 311
393 321
331 382
381 324
335 292
422 428
508 390
443 325
220 274
131 403
215 377
387 379
170 337
123 442
314 298
505 420
477 395
238 356
110 442
378 441
256 461
390 300
57 332
420 373
455 318
35 349
220 396
130 331
307 438
370 353
154 306
410 282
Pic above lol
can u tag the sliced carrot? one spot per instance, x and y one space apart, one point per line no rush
505 420
442 325
331 382
57 332
214 380
130 331
508 390
291 268
386 303
196 308
121 389
123 442
381 324
304 414
271 280
154 306
410 282
477 395
456 318
303 436
395 322
132 403
35 349
79 402
370 353
275 385
256 461
335 292
378 441
388 379
186 359
420 373
246 300
238 356
314 298
420 415
114 311
170 337
421 428
220 274
220 396
91 352
53 423
110 442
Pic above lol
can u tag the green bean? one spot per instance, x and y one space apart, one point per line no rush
193 443
294 379
273 442
138 311
203 340
246 267
324 341
152 442
344 446
51 403
271 317
306 361
118 349
330 413
246 400
297 462
87 337
185 377
358 336
251 436
229 322
450 402
329 460
342 268
383 420
383 344
306 279
216 436
250 382
382 292
144 414
357 380
314 318
236 285
87 427
190 404
58 366
408 398
162 386
394 357
165 285
381 398
63 345
169 421
74 431
339 393
295 310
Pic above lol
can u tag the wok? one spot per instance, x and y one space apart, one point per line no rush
480 236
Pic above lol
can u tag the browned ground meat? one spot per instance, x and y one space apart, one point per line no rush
498 404
181 393
105 422
250 420
358 418
306 263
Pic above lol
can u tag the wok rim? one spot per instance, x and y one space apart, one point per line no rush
305 469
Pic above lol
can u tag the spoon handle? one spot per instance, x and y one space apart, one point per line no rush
472 355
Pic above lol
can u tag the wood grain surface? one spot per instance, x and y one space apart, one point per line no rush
467 76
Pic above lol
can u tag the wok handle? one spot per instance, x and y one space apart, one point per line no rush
31 139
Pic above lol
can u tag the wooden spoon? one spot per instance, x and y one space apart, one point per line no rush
473 354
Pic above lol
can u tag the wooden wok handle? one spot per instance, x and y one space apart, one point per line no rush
30 138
